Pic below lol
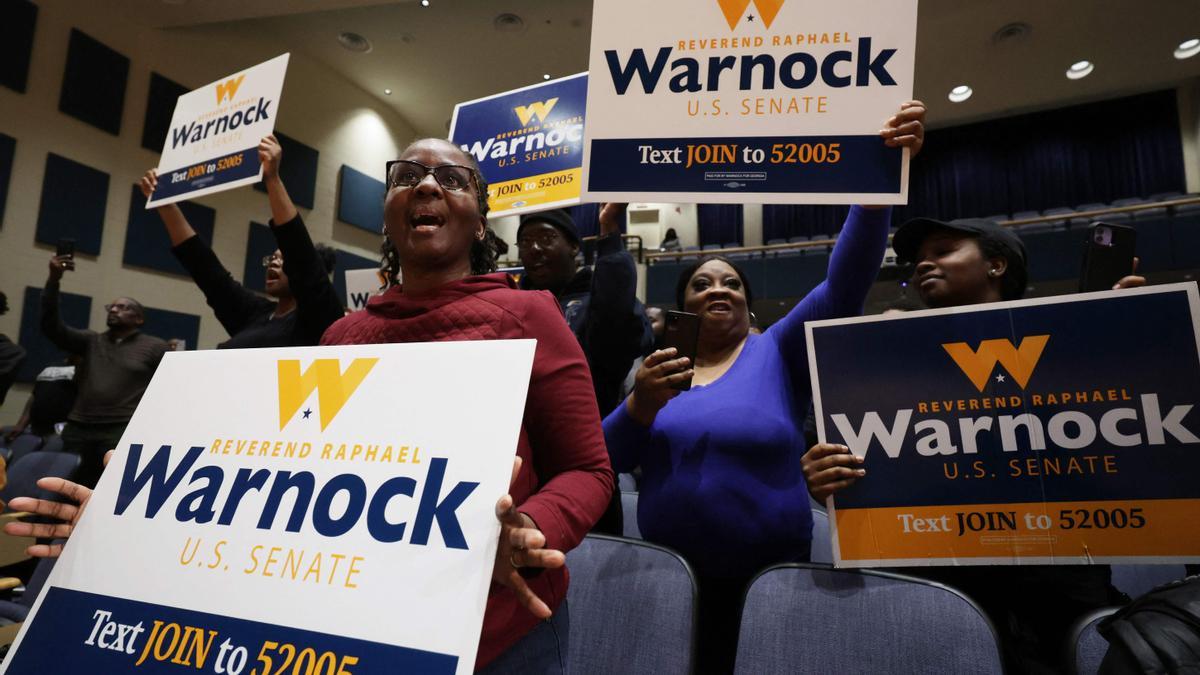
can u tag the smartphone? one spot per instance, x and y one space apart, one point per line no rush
682 332
1107 256
65 247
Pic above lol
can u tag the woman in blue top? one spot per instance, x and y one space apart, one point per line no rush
721 478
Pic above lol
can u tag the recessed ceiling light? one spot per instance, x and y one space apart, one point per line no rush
424 3
961 93
1187 49
1080 70
387 92
546 76
354 42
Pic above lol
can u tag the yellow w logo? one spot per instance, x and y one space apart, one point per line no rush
734 9
539 110
978 365
333 387
228 89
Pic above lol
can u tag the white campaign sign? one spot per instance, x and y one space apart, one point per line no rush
361 286
266 504
731 101
212 144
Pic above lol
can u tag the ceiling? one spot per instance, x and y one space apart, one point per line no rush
456 50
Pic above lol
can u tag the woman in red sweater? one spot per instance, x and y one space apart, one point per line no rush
436 226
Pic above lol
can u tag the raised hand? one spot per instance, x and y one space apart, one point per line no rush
906 129
828 468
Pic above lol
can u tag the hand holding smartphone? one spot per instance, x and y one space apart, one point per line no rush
1107 256
66 249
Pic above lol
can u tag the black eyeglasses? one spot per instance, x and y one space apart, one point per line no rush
405 173
268 259
544 240
120 307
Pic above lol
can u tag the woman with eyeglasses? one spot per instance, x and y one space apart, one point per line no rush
436 233
303 300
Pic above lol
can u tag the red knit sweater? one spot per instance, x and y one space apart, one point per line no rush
566 480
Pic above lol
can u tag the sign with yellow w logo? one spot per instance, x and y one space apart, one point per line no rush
333 387
978 364
325 483
538 109
734 10
1059 430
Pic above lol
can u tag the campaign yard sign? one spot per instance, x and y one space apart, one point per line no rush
731 101
318 510
1057 430
213 141
528 142
361 286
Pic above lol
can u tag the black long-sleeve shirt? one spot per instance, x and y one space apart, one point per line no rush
115 371
248 317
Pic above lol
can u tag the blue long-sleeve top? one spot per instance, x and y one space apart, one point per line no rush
721 478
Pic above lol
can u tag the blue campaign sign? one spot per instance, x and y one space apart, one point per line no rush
1055 430
528 143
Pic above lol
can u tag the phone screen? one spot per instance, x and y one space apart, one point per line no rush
1108 256
65 247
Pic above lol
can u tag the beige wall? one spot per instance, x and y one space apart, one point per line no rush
318 108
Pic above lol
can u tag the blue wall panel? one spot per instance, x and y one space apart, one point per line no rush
74 197
146 241
93 86
167 324
74 309
360 200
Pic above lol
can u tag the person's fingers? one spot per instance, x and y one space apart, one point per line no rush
678 378
1136 261
43 507
522 538
74 491
39 530
44 550
670 367
1131 281
830 461
908 113
825 449
506 513
906 129
107 457
835 474
546 558
825 490
658 357
525 595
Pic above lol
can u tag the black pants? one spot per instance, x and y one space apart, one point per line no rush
720 618
91 442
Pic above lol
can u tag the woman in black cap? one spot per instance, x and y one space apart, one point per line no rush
972 262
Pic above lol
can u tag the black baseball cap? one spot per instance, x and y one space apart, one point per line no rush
908 238
558 218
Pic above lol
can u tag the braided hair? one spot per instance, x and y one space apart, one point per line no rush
484 252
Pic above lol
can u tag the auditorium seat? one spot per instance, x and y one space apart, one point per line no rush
812 619
1085 647
1026 215
731 244
1150 213
997 218
1065 211
15 611
24 474
626 482
1128 201
1094 206
742 255
711 247
1136 580
53 443
629 522
633 608
822 542
23 445
1164 196
773 242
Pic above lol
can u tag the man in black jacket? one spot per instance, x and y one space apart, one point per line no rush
600 305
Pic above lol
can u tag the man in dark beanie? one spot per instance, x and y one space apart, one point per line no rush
600 304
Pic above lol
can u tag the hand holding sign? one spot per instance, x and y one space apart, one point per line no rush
906 129
608 217
829 467
522 544
269 155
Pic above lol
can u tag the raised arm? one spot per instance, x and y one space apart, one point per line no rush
63 336
317 302
178 228
854 263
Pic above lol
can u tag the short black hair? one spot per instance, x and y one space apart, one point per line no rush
3 303
1016 274
686 275
328 257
